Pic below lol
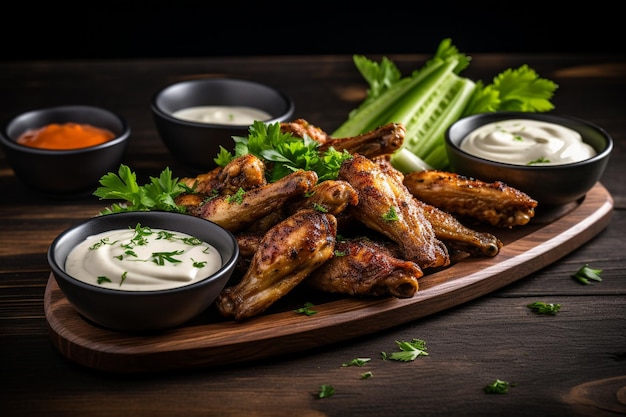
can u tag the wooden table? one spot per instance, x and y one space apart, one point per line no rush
572 363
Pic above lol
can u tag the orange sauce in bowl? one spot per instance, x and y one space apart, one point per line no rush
65 136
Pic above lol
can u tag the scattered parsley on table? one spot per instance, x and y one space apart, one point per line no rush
544 308
586 273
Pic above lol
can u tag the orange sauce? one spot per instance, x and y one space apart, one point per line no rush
65 136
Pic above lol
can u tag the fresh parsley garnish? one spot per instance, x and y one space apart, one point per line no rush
307 310
498 387
356 362
586 273
284 153
325 391
409 351
158 194
544 308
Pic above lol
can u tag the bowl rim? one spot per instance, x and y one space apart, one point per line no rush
549 117
59 270
10 143
290 105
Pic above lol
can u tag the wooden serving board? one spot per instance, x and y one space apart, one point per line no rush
212 341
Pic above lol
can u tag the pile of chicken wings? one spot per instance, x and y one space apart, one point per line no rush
373 231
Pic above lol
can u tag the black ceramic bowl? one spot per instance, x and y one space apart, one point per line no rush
141 311
550 185
65 173
196 144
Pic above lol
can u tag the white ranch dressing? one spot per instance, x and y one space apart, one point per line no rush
224 115
527 142
142 259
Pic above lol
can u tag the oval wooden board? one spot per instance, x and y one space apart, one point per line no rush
212 341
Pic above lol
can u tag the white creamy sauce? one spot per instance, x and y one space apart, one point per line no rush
225 115
142 259
527 142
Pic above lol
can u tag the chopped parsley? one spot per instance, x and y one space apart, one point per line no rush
586 273
544 308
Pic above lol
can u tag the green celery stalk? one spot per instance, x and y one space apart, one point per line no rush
433 98
381 110
426 130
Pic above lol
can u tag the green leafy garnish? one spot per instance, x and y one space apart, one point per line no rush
284 153
497 387
307 310
433 97
366 375
102 279
586 273
325 391
356 362
160 258
236 198
540 160
158 194
391 215
409 351
544 308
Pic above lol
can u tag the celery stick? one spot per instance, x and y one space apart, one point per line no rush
374 113
406 161
426 131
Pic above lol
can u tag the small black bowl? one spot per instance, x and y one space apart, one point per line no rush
143 311
65 173
196 144
550 185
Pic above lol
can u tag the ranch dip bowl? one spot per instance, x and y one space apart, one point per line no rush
142 271
555 159
195 117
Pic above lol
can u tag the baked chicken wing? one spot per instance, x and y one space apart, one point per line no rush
386 206
235 212
363 267
493 203
286 255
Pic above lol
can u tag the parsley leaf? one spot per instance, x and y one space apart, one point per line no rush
409 351
357 362
586 273
307 310
158 194
325 391
544 308
497 387
284 153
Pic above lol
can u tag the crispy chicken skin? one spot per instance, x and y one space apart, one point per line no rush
381 194
300 128
287 254
244 172
383 140
459 237
331 196
494 203
363 267
256 203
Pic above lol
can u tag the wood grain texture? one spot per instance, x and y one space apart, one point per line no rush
218 342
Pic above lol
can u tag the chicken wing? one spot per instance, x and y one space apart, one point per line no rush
363 267
386 206
381 141
287 254
235 212
494 203
459 237
245 172
300 128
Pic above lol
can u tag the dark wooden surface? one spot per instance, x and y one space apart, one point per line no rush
570 364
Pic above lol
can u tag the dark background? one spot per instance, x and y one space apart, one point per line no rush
102 30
